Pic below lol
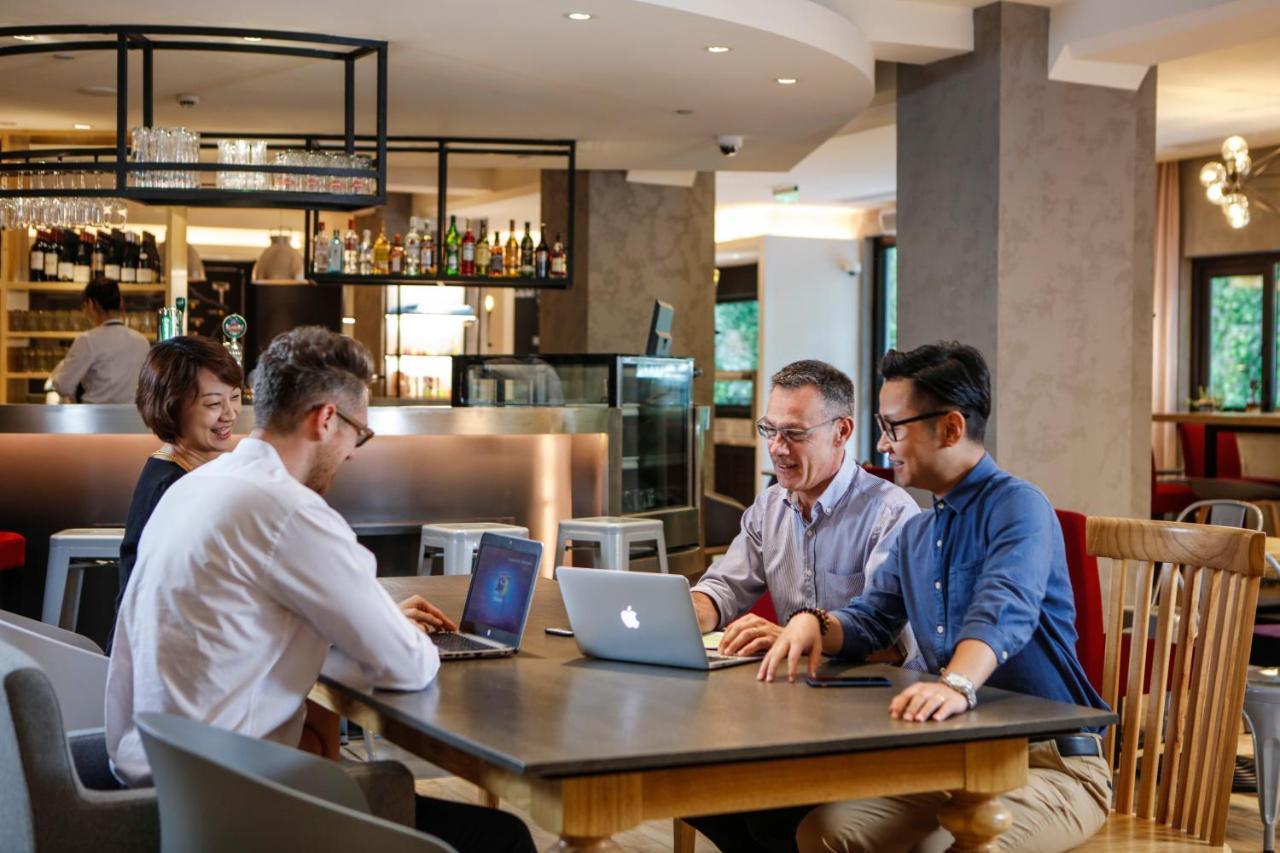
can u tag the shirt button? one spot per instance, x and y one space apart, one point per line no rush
940 629
937 584
1004 655
809 533
939 543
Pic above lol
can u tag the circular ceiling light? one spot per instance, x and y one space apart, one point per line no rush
787 81
64 56
253 38
82 126
718 48
98 91
579 16
25 38
684 112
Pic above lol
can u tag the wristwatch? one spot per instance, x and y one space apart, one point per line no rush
962 685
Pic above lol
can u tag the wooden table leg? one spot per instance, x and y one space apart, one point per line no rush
684 837
976 820
578 844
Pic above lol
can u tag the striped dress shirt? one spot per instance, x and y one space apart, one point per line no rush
823 562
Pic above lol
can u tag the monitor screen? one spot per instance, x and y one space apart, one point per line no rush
660 329
501 588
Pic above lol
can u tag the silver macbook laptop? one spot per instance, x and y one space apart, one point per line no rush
637 617
498 600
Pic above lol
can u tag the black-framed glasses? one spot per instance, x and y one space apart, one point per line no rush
890 428
363 433
794 435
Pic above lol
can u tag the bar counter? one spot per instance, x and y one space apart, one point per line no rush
76 465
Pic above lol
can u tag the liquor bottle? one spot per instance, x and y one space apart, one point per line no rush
98 260
559 259
427 259
452 244
467 266
366 254
511 258
84 259
67 256
381 252
129 260
542 255
526 253
482 248
37 258
395 256
111 256
145 273
351 250
495 258
413 249
320 250
336 251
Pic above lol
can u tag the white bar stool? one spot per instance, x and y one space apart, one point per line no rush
614 535
458 541
63 579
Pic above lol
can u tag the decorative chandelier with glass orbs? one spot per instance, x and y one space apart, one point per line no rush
1225 183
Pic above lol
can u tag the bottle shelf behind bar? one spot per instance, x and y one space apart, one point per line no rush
470 280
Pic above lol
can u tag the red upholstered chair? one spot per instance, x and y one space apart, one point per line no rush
1168 498
880 471
13 550
764 608
1083 568
1191 439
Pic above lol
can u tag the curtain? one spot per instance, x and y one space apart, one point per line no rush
1164 341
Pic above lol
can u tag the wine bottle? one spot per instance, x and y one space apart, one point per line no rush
511 257
526 253
452 245
541 255
467 263
559 259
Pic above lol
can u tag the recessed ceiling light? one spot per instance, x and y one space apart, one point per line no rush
684 112
718 48
253 38
97 91
579 16
25 38
82 126
64 56
787 81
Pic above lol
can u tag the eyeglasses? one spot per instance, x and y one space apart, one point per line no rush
792 436
890 428
363 433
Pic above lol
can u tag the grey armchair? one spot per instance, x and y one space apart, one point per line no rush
222 792
45 805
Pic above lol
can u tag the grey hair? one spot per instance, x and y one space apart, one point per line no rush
834 385
304 368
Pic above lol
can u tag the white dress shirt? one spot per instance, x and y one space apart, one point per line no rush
106 360
244 579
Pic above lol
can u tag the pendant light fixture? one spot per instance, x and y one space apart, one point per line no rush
279 263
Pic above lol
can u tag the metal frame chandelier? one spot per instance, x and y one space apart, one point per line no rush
1231 183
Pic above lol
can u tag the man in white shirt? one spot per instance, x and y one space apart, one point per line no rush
246 578
105 360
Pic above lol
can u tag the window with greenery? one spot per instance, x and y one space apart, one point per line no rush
1234 309
737 349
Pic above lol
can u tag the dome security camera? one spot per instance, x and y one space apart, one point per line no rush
729 144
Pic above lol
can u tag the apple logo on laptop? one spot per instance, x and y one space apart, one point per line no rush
629 618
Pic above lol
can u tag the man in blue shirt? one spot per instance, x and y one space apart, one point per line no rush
983 580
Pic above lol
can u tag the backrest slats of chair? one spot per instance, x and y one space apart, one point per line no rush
1172 779
1185 752
1115 631
1132 711
1154 731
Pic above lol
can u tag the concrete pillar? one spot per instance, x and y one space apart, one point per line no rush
634 243
1025 227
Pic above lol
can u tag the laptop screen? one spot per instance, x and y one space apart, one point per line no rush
501 588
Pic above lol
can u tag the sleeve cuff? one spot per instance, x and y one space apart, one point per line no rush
991 636
855 644
716 602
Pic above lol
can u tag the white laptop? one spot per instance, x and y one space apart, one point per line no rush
498 600
637 617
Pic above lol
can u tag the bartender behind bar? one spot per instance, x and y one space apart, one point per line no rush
102 365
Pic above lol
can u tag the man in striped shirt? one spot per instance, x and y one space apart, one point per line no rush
813 538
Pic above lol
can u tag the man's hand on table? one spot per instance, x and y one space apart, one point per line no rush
749 635
802 636
425 616
927 700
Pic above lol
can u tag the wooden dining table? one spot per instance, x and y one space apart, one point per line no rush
591 748
1216 422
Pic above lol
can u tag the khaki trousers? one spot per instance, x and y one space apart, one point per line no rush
1065 801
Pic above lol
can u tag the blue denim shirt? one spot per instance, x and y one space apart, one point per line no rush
987 563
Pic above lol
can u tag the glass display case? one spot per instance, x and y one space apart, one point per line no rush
654 394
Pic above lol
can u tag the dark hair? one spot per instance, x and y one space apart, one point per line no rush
945 375
836 387
304 368
104 293
169 382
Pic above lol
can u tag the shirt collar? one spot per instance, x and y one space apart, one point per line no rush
113 322
837 488
969 486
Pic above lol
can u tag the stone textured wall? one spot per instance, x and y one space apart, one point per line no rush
635 243
1031 236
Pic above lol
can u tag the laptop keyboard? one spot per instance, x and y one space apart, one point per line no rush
449 642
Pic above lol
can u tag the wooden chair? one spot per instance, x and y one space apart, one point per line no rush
1176 744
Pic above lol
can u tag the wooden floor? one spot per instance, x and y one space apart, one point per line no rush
1244 829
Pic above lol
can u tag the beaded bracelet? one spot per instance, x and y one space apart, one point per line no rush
824 621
